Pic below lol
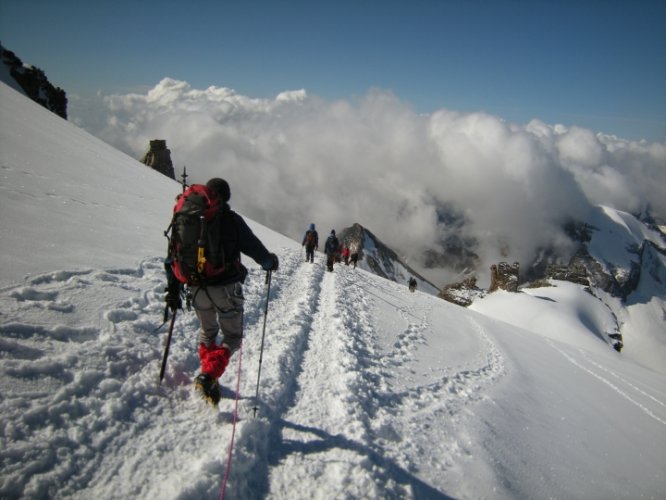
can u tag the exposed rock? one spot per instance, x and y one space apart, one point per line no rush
574 273
353 237
158 158
34 84
618 282
616 339
538 283
579 231
504 276
462 293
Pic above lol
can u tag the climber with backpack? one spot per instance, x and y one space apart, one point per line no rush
310 242
331 248
412 284
345 254
205 246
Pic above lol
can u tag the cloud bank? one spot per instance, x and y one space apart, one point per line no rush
298 159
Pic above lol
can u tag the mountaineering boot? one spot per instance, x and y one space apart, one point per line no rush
208 388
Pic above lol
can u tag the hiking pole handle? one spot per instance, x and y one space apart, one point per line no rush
166 348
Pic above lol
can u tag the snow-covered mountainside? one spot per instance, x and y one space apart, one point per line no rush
612 248
366 390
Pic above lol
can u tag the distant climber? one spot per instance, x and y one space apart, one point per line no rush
412 284
331 249
310 242
345 254
354 255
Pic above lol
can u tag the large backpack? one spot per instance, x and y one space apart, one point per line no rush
332 244
195 253
310 238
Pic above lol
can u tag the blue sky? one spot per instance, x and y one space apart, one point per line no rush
596 64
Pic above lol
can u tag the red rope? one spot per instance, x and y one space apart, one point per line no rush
233 428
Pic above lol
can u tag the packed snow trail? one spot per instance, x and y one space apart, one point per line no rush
335 374
328 407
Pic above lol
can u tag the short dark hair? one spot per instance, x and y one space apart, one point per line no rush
221 187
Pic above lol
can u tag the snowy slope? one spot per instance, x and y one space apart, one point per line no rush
52 172
366 391
616 239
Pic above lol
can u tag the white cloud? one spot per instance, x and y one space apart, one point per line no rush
298 159
579 146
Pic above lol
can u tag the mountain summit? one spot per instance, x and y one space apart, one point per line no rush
378 258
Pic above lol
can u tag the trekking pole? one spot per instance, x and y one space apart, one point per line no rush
166 348
263 335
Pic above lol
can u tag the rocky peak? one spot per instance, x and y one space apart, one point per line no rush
353 238
504 276
33 82
158 158
378 258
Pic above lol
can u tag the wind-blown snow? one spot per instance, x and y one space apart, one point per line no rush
366 391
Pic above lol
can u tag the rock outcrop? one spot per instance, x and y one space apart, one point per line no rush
378 258
573 273
618 281
34 84
353 238
158 158
504 276
462 293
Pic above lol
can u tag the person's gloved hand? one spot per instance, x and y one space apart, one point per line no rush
173 299
272 263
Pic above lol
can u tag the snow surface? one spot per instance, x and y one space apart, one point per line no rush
366 390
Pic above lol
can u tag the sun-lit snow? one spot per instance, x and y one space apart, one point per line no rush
366 390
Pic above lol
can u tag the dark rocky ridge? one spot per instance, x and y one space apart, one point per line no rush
34 84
